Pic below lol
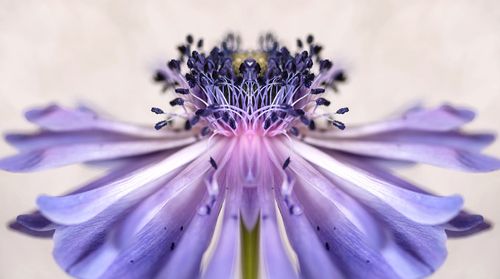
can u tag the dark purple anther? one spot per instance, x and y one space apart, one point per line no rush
213 163
286 163
322 102
161 124
342 110
338 124
177 102
183 91
157 110
317 91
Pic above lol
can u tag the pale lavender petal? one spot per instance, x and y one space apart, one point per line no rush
341 239
403 262
56 118
118 237
95 263
185 262
459 140
350 208
194 174
443 118
313 258
425 209
462 224
78 246
441 156
77 208
273 257
33 222
44 139
148 251
224 260
68 154
414 250
191 176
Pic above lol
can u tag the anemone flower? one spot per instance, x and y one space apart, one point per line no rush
259 179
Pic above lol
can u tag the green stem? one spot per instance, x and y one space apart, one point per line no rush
250 251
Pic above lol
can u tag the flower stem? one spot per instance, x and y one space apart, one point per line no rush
250 251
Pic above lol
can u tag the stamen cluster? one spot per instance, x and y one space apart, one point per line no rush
231 91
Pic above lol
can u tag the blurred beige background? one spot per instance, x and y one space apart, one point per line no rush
103 52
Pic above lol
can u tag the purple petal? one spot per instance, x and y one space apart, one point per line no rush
56 118
441 156
77 208
313 258
453 139
403 234
465 224
350 208
33 224
195 174
224 260
191 176
421 208
86 250
68 154
273 257
185 262
414 250
78 247
45 139
462 224
95 263
150 249
35 221
443 118
341 239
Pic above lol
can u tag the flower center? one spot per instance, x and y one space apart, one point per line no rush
230 91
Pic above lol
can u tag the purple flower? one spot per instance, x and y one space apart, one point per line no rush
254 153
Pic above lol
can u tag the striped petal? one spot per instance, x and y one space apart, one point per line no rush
150 249
77 208
441 156
465 224
224 260
57 118
185 262
345 244
413 250
45 139
352 209
462 224
69 154
274 259
442 118
421 208
34 224
454 139
314 261
82 248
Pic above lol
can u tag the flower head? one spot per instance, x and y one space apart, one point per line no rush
267 92
290 197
